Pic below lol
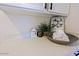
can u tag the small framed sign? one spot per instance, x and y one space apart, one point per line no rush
57 22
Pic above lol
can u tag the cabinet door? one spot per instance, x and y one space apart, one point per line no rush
59 8
34 6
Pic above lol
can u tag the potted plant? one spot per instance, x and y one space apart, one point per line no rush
39 33
43 29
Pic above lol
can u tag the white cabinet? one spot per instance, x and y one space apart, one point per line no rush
50 8
34 6
62 8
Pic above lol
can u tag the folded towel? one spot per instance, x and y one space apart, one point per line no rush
60 35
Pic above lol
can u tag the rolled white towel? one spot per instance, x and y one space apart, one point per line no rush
60 35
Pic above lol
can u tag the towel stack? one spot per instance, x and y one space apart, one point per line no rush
60 35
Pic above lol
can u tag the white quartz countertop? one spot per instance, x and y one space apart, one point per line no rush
33 46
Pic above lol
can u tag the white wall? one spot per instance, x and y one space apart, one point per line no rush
72 21
13 23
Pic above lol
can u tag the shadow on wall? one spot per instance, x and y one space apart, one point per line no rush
13 25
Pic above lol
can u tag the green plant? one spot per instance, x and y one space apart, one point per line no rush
42 30
43 27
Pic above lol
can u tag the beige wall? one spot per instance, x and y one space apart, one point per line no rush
13 23
16 22
72 21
